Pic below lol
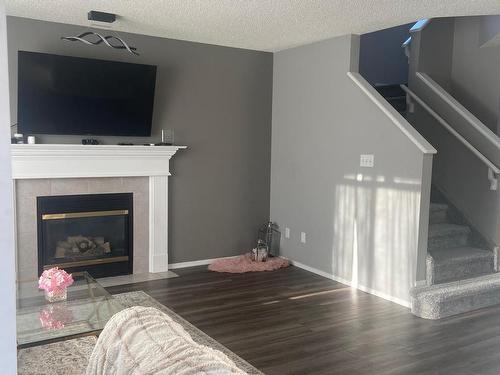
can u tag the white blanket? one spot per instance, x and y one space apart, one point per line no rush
145 341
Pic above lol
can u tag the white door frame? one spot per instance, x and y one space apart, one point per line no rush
8 350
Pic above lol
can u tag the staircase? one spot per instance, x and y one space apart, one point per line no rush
460 264
460 276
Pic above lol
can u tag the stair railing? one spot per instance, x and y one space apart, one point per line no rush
493 170
419 26
492 139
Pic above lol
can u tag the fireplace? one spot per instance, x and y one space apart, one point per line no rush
91 232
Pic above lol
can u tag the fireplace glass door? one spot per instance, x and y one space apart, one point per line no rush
92 240
84 237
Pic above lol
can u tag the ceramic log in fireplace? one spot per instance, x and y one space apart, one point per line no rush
91 232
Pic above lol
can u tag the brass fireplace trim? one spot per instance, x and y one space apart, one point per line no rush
75 215
89 262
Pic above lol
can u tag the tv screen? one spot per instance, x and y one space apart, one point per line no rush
73 95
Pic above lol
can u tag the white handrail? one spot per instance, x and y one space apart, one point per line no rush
406 46
398 120
420 25
493 170
459 108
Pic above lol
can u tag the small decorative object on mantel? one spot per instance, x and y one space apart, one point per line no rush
90 141
167 138
17 139
55 283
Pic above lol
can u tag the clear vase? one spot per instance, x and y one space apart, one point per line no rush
56 295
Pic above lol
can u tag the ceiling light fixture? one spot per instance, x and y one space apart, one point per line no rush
111 41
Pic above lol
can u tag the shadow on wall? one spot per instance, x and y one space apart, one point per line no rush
367 251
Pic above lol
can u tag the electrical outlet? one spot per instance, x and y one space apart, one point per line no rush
303 237
367 161
287 232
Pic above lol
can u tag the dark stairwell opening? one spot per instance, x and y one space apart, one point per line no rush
383 63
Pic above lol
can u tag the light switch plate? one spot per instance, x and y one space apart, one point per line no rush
287 232
303 237
367 160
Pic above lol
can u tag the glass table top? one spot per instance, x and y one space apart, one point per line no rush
87 309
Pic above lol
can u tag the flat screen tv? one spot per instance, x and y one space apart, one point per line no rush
74 95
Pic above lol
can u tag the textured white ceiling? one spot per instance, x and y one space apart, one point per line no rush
267 25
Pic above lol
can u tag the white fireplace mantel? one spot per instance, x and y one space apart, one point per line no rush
41 161
72 161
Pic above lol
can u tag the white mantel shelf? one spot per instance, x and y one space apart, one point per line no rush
78 161
73 161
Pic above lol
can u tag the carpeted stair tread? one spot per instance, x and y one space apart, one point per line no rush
447 229
459 278
459 253
456 297
450 264
438 213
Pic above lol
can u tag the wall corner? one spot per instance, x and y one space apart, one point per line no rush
354 53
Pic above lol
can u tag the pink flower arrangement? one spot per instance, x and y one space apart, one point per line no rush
54 280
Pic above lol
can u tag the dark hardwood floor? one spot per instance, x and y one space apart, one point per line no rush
294 322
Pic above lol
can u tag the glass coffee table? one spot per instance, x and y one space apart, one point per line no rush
87 309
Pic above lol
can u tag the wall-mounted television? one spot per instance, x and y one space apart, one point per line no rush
80 96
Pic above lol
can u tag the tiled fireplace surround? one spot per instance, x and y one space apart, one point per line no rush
44 170
28 190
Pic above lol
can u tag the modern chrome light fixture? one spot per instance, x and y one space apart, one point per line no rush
111 41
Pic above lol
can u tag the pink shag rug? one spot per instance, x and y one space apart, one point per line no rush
243 263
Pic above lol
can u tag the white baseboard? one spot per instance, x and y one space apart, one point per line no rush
363 288
203 262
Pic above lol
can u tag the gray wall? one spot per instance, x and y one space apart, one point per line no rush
476 71
435 51
218 100
381 58
361 224
489 31
8 358
452 52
